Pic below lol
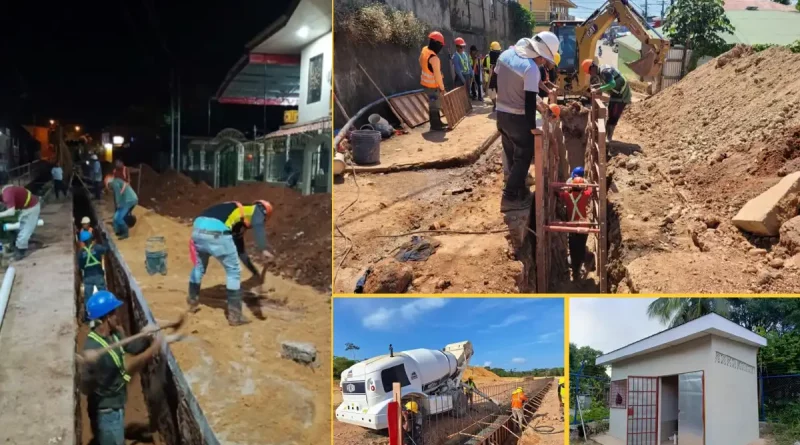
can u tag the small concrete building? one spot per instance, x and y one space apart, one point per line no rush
697 381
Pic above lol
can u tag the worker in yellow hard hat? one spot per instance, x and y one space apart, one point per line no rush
613 83
548 73
561 391
518 399
412 424
490 78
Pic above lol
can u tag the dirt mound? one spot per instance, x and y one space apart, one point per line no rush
481 374
299 229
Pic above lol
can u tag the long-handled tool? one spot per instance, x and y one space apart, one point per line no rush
92 355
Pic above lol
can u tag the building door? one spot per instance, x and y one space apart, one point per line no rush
691 424
642 411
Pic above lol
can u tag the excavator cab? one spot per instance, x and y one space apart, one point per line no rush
568 47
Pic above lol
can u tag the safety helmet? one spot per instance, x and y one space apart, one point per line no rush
586 65
86 220
267 206
495 46
437 36
544 44
460 42
413 407
558 58
93 157
518 390
101 304
578 172
84 236
555 109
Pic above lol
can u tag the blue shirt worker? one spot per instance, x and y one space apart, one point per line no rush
219 232
125 199
90 262
58 181
96 176
461 65
517 103
106 381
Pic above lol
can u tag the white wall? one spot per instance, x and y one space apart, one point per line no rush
731 395
322 108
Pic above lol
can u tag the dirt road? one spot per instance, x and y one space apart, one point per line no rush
548 427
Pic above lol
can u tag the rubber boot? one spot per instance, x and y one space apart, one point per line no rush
610 133
235 315
436 122
194 297
20 254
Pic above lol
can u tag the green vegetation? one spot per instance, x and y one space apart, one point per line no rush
793 47
367 21
539 372
698 24
522 21
340 364
598 411
783 2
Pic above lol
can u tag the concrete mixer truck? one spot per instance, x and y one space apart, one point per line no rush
433 377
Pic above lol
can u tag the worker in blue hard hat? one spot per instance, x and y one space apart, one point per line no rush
105 381
90 262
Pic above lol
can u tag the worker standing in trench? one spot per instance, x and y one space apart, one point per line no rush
618 88
517 103
469 390
431 78
105 382
518 399
412 424
219 232
90 262
16 198
125 199
577 203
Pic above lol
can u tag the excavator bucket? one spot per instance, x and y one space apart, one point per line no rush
646 66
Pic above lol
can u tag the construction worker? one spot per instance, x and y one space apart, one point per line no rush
561 390
19 199
577 202
461 66
517 102
518 399
121 171
431 78
490 77
618 88
96 172
549 75
125 199
218 232
86 225
475 63
58 180
90 262
105 382
412 424
469 390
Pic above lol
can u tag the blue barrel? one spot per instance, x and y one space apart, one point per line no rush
366 146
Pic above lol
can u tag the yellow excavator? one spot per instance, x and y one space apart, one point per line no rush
579 42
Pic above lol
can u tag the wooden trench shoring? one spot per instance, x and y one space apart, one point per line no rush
548 149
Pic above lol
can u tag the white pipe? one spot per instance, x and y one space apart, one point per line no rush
5 292
8 227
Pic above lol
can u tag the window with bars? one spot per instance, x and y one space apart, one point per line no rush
618 395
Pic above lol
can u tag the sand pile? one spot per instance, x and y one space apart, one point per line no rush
481 374
299 230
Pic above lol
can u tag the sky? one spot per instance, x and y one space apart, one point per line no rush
509 333
607 324
100 62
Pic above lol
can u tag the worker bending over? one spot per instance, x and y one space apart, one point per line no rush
618 88
431 78
219 232
518 399
19 199
106 381
125 199
90 262
577 202
490 78
517 102
549 75
461 66
412 424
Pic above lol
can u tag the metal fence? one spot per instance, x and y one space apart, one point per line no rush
779 397
470 416
589 397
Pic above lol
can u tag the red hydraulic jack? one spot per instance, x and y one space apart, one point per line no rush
546 159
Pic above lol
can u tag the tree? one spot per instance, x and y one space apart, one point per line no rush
585 356
351 347
340 364
797 6
522 21
677 311
698 24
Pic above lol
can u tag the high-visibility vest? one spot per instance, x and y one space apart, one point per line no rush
91 260
119 360
27 198
242 213
427 78
579 203
463 61
517 399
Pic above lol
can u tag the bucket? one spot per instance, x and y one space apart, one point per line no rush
155 255
366 146
380 124
338 164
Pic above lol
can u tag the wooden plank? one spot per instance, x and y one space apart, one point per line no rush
455 106
602 217
541 241
412 108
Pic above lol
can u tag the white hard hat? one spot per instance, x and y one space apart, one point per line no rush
85 220
94 157
544 44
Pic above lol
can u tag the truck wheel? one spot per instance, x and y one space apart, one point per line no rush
459 404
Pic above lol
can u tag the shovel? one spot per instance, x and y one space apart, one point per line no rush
92 355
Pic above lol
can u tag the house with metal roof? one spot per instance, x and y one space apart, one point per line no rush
695 384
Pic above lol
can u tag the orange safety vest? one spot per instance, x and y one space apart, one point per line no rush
518 399
427 79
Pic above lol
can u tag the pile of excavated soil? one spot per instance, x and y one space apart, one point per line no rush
686 160
481 374
299 230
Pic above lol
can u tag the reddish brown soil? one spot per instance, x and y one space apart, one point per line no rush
299 230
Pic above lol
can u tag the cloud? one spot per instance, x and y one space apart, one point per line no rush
487 364
494 303
381 317
511 319
548 337
595 322
518 360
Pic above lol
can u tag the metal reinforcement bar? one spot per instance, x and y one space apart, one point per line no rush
173 409
497 428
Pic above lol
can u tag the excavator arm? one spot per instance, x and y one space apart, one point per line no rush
653 52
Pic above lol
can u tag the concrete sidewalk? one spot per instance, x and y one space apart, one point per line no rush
37 339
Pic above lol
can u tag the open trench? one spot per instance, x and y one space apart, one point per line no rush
161 408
